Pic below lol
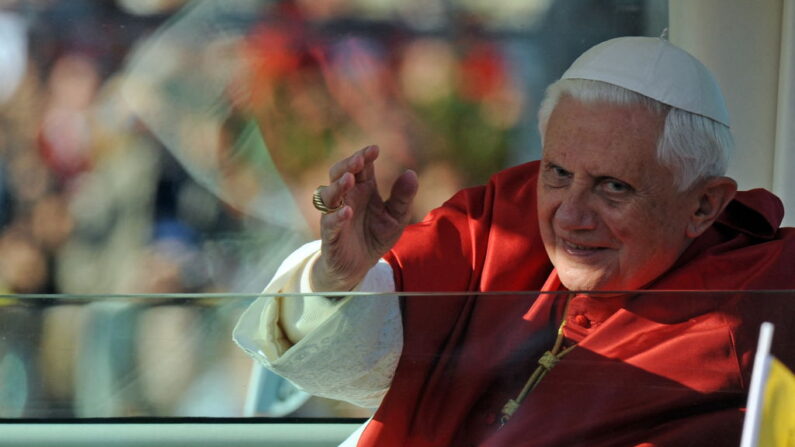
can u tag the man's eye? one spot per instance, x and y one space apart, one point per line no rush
555 176
616 187
560 172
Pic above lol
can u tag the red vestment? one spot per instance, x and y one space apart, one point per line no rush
649 369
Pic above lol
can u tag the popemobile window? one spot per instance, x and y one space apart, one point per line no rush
424 223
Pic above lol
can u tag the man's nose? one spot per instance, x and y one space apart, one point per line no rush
575 211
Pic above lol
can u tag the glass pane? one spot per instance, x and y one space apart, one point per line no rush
100 357
642 354
172 146
156 163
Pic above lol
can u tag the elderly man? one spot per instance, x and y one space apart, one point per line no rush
630 195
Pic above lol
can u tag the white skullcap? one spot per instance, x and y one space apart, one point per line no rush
655 68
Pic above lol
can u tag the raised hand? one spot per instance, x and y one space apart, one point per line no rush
364 227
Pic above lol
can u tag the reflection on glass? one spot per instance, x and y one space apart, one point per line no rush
173 356
177 152
138 356
478 368
70 356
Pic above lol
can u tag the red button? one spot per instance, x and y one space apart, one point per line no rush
582 320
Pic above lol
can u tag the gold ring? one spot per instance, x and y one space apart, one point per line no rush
320 205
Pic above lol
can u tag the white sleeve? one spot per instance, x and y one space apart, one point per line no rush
347 350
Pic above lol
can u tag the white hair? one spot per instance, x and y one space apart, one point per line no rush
692 146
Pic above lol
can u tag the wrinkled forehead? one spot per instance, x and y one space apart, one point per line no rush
590 123
603 138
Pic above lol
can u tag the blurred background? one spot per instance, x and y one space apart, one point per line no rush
170 146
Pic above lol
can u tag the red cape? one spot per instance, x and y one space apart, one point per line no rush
654 369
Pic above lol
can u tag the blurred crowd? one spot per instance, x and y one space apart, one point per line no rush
167 146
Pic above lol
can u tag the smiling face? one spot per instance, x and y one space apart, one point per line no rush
610 215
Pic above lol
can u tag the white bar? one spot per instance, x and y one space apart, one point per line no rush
784 155
757 388
175 434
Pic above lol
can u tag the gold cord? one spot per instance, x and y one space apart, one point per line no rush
547 361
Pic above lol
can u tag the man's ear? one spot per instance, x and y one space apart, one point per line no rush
712 195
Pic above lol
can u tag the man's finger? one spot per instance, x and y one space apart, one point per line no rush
331 225
334 194
345 165
354 164
367 171
402 195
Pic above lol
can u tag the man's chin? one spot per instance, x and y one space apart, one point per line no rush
580 281
595 287
579 285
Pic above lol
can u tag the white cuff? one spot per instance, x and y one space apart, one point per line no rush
352 351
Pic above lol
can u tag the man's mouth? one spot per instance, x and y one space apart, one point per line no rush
576 249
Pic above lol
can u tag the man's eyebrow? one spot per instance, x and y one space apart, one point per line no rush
549 166
601 178
549 163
